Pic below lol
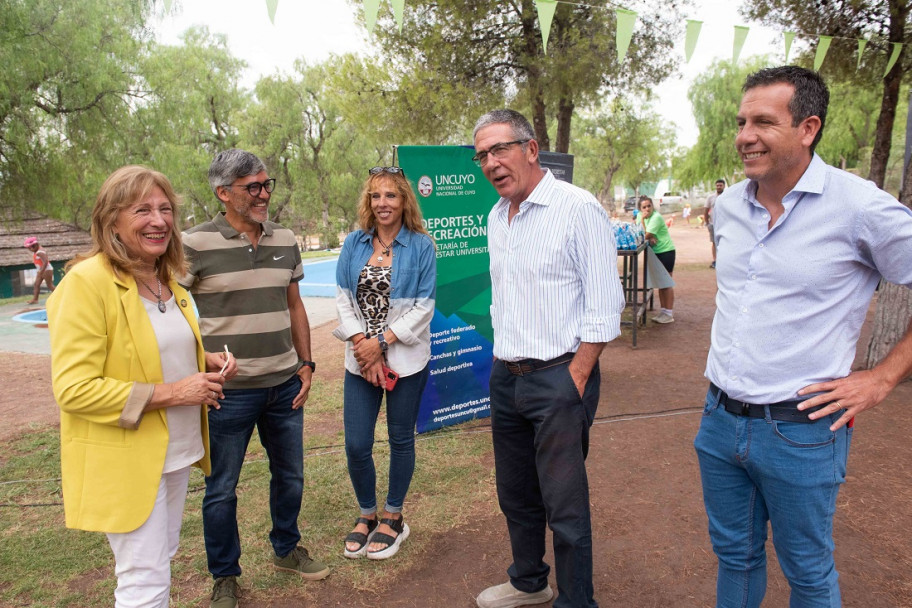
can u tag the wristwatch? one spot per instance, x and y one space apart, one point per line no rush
310 364
383 345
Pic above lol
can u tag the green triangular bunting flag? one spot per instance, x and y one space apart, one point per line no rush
740 36
823 45
370 14
789 36
167 6
861 47
271 6
398 11
897 47
693 33
546 10
625 21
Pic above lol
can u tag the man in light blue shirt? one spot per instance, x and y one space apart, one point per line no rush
801 247
556 301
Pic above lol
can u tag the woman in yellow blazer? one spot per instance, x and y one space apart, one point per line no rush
129 375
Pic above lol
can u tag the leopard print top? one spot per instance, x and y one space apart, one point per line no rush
374 297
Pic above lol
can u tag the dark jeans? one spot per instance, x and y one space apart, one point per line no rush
362 405
281 431
541 439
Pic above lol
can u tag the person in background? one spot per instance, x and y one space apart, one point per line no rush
386 277
708 216
244 273
658 238
44 270
802 246
133 383
556 302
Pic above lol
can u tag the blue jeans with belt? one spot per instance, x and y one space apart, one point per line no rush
362 406
540 429
281 431
759 470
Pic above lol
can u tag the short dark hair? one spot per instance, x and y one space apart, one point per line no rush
811 96
720 181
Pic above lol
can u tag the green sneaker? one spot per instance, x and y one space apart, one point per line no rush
299 562
224 593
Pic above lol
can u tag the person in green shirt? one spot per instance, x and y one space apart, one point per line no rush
658 238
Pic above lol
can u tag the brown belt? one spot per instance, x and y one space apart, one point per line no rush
527 366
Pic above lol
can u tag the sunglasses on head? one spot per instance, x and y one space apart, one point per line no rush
390 170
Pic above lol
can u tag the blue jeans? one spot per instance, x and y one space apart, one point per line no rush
759 470
282 435
362 405
540 429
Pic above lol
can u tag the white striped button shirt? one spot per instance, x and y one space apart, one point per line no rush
554 277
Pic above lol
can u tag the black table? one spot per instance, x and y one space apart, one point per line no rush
633 279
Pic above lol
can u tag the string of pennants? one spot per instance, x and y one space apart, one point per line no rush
625 22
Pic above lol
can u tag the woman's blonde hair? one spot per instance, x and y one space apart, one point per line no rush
121 189
411 213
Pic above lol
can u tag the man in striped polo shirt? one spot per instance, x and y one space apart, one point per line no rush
244 273
556 301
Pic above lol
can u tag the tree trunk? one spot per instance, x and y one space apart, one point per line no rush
894 304
564 115
899 11
536 87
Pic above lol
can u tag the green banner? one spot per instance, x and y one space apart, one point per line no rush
789 36
625 21
693 34
897 47
271 6
740 36
862 43
823 45
371 8
546 10
455 199
398 11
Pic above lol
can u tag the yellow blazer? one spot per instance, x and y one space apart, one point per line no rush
105 363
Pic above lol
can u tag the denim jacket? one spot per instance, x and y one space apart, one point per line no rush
412 293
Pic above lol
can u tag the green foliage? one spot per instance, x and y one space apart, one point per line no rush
189 113
882 23
716 96
492 52
320 157
65 93
620 141
45 564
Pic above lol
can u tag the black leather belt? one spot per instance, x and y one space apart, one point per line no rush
527 366
786 411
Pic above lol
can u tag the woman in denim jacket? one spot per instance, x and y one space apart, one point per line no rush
386 283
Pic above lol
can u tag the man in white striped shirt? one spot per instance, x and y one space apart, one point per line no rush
557 300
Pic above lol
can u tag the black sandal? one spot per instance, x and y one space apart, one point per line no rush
392 542
360 537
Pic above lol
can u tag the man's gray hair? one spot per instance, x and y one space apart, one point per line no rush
231 164
518 123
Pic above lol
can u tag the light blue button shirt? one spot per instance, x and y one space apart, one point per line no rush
792 299
554 277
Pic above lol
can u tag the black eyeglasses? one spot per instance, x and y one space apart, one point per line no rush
498 151
391 170
254 188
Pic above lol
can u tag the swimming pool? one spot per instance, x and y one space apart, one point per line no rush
35 317
319 279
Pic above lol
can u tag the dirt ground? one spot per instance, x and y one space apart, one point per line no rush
650 539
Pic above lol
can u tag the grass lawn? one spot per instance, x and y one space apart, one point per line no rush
44 564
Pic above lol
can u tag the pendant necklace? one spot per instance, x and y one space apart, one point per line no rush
386 248
161 305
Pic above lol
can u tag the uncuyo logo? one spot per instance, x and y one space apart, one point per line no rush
425 186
